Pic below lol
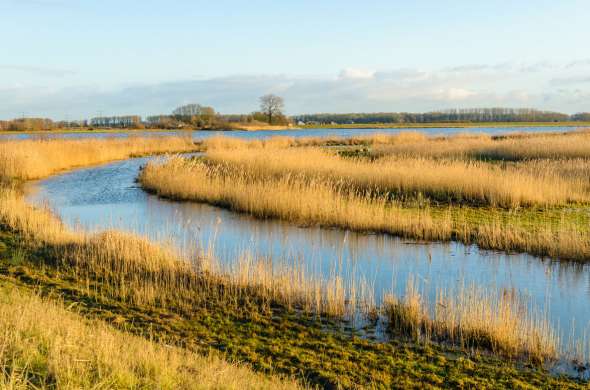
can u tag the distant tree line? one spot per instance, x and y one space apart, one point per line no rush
581 116
196 116
36 124
454 115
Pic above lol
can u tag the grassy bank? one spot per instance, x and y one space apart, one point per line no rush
33 159
44 345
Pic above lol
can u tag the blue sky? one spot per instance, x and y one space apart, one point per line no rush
63 58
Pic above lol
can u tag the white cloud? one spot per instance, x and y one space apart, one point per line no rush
584 63
555 87
352 73
453 94
38 70
572 80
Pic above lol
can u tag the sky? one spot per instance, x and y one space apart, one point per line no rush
69 59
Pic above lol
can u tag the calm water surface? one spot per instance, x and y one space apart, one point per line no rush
288 133
107 196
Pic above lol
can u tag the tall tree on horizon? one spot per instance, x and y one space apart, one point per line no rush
271 105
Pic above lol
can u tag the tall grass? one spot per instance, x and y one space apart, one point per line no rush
508 147
305 199
291 198
511 147
43 345
439 180
473 317
33 159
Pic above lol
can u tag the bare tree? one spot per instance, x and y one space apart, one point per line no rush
271 105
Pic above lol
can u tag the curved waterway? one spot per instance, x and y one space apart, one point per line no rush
108 196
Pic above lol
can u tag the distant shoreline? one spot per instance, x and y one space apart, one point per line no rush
451 125
367 126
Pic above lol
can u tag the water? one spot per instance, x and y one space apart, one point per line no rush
260 134
107 196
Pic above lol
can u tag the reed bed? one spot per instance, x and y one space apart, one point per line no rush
34 159
303 201
481 146
223 142
43 345
473 317
573 169
314 201
511 147
453 181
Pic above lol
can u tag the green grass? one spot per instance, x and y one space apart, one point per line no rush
321 352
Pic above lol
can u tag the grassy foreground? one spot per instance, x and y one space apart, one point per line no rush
44 345
272 340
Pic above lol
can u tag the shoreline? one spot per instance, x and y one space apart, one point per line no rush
442 125
369 126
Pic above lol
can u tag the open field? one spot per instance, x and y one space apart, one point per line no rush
536 202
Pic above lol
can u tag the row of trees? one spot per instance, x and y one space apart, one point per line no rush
28 124
205 117
271 112
190 115
455 115
187 116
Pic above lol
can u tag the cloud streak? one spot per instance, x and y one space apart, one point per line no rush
541 85
41 71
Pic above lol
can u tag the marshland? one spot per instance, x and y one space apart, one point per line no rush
405 259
